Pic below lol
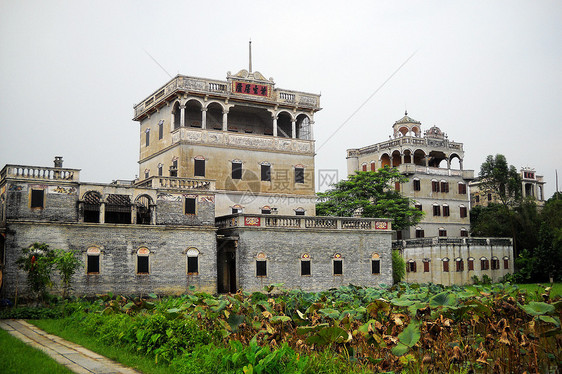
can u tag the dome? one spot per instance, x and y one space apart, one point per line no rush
435 132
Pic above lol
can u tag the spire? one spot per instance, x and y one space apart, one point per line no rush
250 57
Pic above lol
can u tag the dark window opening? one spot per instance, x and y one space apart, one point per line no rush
189 205
397 186
436 210
484 264
463 212
417 185
470 264
93 265
460 265
266 173
193 265
464 233
236 170
118 209
426 266
159 170
299 212
411 266
495 264
266 211
477 198
338 267
305 268
462 188
420 233
489 197
261 268
434 186
375 266
399 235
174 169
236 210
299 175
142 264
446 211
144 210
160 130
37 198
442 232
199 170
445 187
506 263
147 137
418 207
446 266
91 207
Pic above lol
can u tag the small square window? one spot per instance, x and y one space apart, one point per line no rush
37 198
299 175
338 267
261 268
299 212
190 205
305 267
266 173
266 211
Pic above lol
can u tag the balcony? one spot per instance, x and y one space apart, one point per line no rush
419 169
302 222
174 183
245 141
40 173
411 142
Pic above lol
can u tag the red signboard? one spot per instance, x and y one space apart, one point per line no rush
252 221
381 225
251 89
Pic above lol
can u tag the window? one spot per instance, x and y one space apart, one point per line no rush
190 205
444 186
419 233
92 206
417 185
299 175
495 263
446 265
446 210
93 260
442 232
147 137
261 265
299 211
236 209
192 261
266 210
506 262
337 264
160 130
470 263
477 198
436 210
463 211
411 266
397 186
462 189
426 266
146 174
305 265
37 198
489 197
484 263
236 170
434 186
266 172
118 209
398 235
160 166
174 168
144 207
464 233
418 206
199 167
142 260
460 264
373 167
375 264
364 167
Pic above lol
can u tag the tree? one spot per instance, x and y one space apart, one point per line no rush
372 194
398 266
497 176
67 264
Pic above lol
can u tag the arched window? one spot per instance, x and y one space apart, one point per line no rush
375 263
92 202
373 166
484 263
411 266
261 265
426 262
446 265
236 209
460 264
143 261
305 265
464 232
463 211
364 166
506 262
417 184
495 263
144 205
93 260
300 211
337 264
193 261
470 261
446 212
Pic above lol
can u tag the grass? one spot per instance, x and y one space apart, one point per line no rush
66 331
17 357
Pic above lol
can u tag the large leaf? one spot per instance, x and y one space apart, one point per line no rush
535 308
411 335
399 349
332 313
234 321
443 299
280 319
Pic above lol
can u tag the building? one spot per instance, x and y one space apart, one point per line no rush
437 249
437 181
225 201
532 186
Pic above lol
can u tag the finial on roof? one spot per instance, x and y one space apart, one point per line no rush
250 70
406 112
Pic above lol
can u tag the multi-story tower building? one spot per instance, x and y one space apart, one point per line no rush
437 181
255 140
532 186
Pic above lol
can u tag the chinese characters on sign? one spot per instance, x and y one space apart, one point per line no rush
251 89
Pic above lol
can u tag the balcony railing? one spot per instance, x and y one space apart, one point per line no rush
411 140
435 241
302 222
175 183
41 173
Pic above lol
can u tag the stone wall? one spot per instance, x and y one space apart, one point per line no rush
118 245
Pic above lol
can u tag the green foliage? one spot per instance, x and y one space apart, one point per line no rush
398 266
67 264
30 313
499 177
372 194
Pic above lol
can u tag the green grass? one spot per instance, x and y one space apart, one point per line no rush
534 287
17 357
66 331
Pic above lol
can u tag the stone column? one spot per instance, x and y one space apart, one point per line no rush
182 115
225 120
152 214
311 130
203 118
460 163
401 158
448 163
134 214
274 125
293 128
102 212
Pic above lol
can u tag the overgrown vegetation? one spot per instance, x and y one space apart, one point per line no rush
418 328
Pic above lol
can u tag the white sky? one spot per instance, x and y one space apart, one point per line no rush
488 73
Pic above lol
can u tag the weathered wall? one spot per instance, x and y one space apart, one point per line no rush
284 247
118 245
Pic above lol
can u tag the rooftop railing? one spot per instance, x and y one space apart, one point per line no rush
411 141
428 242
176 183
302 222
40 173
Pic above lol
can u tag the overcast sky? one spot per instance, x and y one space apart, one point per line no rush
488 73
